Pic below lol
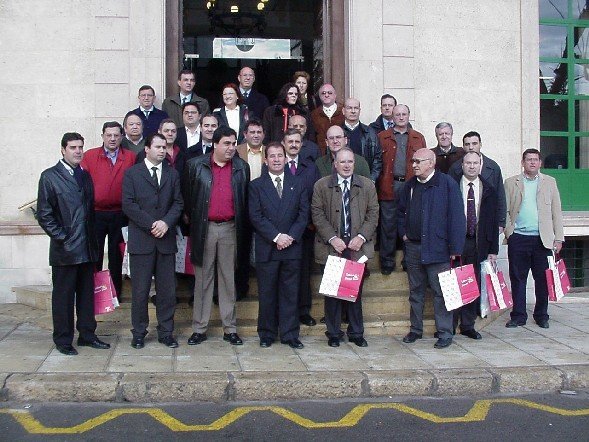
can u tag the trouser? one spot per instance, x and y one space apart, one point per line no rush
305 293
219 248
467 314
419 276
388 228
242 269
73 284
143 267
109 224
527 253
278 283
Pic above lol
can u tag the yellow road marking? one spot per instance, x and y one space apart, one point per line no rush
477 413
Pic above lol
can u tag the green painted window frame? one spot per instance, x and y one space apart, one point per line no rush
573 182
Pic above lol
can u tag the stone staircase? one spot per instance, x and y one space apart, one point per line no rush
385 306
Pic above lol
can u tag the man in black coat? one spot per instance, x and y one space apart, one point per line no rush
279 213
256 102
490 171
150 115
482 232
153 204
65 211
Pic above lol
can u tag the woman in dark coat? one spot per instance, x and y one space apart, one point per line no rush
234 112
275 121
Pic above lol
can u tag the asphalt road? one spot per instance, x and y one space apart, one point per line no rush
551 417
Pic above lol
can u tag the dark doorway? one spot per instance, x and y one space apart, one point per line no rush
275 38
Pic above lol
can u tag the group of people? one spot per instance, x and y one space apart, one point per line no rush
282 186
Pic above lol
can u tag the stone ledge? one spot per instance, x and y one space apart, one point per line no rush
175 387
20 229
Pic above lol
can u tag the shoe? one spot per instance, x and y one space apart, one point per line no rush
443 343
512 323
411 337
543 324
293 343
307 320
138 342
366 272
387 270
472 334
437 335
197 338
333 342
67 350
95 343
153 299
360 341
240 296
266 342
232 338
168 341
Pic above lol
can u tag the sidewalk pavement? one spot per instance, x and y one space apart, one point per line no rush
505 361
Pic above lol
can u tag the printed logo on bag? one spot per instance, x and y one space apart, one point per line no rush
467 281
99 288
502 284
351 277
108 309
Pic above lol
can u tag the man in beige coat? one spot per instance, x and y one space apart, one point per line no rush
533 231
345 212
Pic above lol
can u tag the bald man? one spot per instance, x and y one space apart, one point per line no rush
326 115
256 102
432 224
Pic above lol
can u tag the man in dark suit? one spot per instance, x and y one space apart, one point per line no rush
309 149
256 102
482 232
150 115
490 171
279 213
189 135
172 105
65 211
308 174
208 125
153 204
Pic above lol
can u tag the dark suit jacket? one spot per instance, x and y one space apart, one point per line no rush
179 164
182 139
487 221
151 124
257 103
196 150
271 215
310 150
491 172
307 173
144 203
243 117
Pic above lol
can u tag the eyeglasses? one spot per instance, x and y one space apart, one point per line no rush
327 93
336 137
418 161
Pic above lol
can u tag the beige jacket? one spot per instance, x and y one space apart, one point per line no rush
549 208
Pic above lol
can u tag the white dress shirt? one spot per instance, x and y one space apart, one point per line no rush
158 172
476 184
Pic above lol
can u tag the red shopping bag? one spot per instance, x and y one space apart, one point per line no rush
105 295
499 294
557 279
459 286
342 278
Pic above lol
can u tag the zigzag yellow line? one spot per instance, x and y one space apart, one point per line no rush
477 413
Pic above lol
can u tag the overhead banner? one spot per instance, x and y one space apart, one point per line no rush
260 48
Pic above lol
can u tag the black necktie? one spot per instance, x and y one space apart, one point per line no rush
471 212
154 176
347 218
245 95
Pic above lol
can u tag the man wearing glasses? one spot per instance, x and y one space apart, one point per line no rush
335 139
432 224
327 115
150 115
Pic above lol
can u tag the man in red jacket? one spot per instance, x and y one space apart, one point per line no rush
107 165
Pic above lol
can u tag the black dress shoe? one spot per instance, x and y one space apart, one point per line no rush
138 342
67 350
232 338
197 338
512 323
96 343
543 324
411 337
293 343
472 334
307 320
333 342
360 341
266 342
168 341
443 343
387 270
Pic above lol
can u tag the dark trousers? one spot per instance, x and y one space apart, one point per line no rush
467 314
73 284
305 293
527 253
420 275
109 224
388 228
143 267
242 265
278 283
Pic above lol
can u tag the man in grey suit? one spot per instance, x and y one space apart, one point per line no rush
153 204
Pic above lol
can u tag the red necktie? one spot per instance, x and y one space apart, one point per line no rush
293 167
471 212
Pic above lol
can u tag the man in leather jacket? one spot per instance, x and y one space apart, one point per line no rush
65 211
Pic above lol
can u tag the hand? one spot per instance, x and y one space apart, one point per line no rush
405 238
159 229
356 243
284 241
557 246
338 245
501 229
492 258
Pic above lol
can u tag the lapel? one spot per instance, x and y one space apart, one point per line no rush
270 190
165 175
288 191
146 174
67 176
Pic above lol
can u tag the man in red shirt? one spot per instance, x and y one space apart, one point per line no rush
107 165
215 193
